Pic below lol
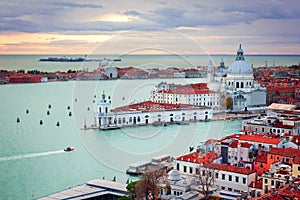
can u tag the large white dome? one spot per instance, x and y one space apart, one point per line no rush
240 66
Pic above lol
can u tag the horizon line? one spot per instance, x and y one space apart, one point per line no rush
121 55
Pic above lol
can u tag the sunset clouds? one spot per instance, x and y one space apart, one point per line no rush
54 26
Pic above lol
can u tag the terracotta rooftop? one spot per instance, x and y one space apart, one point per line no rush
281 194
246 145
261 138
281 125
287 152
148 106
188 91
196 157
229 168
210 141
261 158
234 144
256 184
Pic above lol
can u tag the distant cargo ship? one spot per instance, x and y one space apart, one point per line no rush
65 59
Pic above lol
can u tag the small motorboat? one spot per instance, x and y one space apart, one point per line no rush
68 149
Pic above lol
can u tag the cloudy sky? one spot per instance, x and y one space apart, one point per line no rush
143 26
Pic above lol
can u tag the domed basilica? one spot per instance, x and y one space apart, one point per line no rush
239 86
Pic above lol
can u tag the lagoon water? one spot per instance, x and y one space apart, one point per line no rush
32 161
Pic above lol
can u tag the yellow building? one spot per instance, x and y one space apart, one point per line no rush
296 168
276 177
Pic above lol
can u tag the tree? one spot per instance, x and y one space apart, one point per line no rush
147 186
206 178
131 188
229 102
124 198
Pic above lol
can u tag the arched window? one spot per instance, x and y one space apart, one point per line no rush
138 119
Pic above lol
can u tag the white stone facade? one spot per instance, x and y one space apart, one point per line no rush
148 113
165 94
240 86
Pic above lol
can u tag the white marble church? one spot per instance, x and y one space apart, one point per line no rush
148 112
240 87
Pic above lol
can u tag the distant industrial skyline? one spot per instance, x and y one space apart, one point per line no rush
149 27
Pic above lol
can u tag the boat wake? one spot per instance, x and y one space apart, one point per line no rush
30 155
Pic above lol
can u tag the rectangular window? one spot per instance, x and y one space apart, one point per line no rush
184 168
229 189
191 170
237 179
223 188
230 178
266 181
217 174
177 166
223 176
244 180
298 168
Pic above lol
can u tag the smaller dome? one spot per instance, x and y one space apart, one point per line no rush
174 175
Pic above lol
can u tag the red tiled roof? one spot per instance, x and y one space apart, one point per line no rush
229 168
262 158
288 152
210 141
189 91
196 157
281 125
148 106
246 145
234 144
292 119
261 138
256 184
